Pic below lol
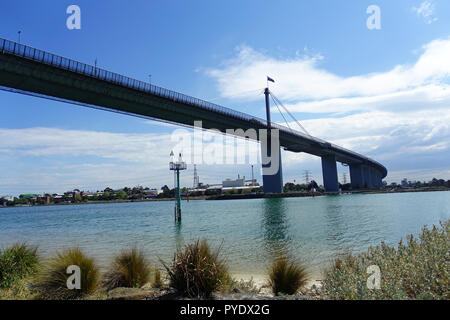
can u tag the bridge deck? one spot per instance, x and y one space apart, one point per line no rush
41 73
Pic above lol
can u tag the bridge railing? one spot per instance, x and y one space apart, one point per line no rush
41 56
27 52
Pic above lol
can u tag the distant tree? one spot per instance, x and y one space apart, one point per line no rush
313 184
106 195
78 198
166 192
121 194
20 201
345 187
289 186
212 192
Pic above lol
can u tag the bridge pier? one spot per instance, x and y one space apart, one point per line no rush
367 177
376 179
272 182
329 173
356 176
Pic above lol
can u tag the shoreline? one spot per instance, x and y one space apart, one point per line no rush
261 280
241 197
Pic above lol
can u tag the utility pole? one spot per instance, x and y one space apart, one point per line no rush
307 176
253 177
196 178
19 32
344 178
177 166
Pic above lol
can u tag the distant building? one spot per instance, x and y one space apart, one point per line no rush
229 183
151 193
404 183
30 196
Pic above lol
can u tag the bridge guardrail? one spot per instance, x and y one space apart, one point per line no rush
41 56
27 52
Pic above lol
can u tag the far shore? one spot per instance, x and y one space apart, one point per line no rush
242 196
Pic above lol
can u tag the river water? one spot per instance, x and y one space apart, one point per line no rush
251 232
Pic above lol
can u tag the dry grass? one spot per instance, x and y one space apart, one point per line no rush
52 282
130 269
287 277
197 271
158 282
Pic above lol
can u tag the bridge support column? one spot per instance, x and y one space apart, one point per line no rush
376 179
329 173
367 177
272 182
356 176
272 172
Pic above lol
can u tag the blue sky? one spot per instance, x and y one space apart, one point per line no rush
384 93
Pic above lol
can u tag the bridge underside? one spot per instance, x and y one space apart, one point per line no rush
48 80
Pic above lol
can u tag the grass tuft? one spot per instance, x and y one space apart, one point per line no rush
158 282
17 262
130 269
52 282
197 271
287 277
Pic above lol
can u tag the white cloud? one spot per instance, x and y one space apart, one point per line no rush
301 78
400 117
55 160
41 142
426 11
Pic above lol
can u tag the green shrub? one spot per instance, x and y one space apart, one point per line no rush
196 271
21 290
287 277
417 270
17 262
52 282
130 269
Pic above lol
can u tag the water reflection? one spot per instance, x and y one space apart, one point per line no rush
179 240
334 220
275 228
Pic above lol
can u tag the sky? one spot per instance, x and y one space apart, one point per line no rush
381 92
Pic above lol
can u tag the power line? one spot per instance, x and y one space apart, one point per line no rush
344 178
196 177
307 176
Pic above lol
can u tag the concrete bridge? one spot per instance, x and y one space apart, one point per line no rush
31 71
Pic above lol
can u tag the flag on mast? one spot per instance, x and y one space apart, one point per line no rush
270 79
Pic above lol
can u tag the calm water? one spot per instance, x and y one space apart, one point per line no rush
253 232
